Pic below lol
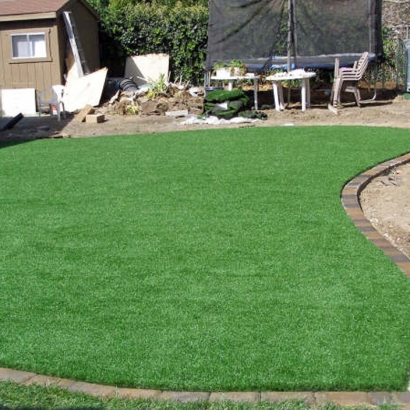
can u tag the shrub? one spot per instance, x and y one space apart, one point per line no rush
144 28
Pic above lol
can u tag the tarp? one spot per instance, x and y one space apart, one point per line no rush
256 31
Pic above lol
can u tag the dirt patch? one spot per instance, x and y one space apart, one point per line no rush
385 201
386 204
386 110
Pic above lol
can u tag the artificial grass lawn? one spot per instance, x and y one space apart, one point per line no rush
208 260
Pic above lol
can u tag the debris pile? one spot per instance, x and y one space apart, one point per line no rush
154 99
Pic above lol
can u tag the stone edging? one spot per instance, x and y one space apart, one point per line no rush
350 198
351 202
313 399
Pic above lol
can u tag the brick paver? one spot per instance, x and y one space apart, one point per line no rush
129 393
183 396
235 396
97 390
342 398
15 375
280 396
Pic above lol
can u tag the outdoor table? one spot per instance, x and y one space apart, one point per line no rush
249 76
277 80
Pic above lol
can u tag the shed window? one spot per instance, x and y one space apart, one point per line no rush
30 45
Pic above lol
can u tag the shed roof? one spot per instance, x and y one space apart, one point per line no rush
33 9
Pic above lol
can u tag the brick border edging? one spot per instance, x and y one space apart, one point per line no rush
310 398
350 198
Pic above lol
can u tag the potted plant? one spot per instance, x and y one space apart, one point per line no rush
238 68
221 70
235 68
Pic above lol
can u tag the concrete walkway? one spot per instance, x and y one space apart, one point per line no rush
351 202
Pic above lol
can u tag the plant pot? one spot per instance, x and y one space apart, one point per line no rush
236 71
223 72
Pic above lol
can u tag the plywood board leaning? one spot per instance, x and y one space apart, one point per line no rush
83 91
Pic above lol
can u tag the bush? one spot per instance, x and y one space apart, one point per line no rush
143 28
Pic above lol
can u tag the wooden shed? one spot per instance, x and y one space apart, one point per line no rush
34 42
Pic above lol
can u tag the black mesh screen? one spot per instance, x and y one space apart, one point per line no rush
256 31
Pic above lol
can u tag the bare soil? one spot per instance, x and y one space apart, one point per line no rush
386 204
387 109
385 201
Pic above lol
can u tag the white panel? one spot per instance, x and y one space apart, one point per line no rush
147 68
19 100
83 91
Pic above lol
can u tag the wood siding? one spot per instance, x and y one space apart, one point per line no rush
43 73
30 74
87 26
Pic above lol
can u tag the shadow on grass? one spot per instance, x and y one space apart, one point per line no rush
30 128
8 144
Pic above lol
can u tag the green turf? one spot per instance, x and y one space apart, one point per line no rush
209 260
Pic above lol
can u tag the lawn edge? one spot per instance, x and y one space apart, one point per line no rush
312 399
350 197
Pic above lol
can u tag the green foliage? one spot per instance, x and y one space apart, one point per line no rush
174 28
166 3
132 109
158 87
389 37
394 62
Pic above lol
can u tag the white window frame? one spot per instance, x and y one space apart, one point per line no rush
30 46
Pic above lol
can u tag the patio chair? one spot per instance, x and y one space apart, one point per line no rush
347 79
52 97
